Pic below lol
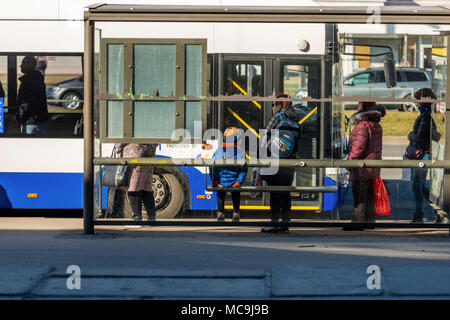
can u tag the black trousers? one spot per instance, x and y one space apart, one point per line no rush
363 201
280 202
136 200
421 193
235 197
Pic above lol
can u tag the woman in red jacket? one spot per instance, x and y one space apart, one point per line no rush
365 144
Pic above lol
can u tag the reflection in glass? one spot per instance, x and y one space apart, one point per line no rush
243 79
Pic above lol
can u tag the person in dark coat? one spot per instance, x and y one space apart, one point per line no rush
32 112
280 202
424 130
365 143
2 92
140 182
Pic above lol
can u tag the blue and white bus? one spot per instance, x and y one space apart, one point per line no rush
46 172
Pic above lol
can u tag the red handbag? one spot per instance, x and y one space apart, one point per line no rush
382 207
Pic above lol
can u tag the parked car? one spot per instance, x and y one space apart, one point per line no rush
372 82
67 93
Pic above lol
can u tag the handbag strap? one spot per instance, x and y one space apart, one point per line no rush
114 154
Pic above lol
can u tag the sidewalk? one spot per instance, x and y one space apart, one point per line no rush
295 281
126 262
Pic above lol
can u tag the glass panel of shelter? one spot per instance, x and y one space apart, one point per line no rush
152 69
154 74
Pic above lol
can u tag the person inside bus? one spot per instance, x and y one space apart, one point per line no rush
140 179
424 130
2 92
365 143
280 202
229 176
32 114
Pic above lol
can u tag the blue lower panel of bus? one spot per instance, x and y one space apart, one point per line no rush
333 201
197 186
41 190
65 191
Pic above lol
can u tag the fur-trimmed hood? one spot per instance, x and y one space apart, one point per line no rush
373 114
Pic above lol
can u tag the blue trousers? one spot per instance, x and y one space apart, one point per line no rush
33 128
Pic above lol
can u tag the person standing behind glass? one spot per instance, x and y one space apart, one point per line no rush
365 143
32 114
2 92
280 202
424 130
140 178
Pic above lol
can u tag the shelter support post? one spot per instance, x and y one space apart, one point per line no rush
88 190
446 186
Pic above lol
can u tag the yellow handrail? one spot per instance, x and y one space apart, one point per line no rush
243 91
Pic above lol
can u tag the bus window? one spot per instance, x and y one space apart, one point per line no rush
63 77
243 79
4 78
302 81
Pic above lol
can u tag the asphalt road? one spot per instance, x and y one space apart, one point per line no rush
60 243
48 258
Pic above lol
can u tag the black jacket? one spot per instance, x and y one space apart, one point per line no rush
2 93
422 130
32 98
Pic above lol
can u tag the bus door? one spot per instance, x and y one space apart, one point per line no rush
244 76
263 76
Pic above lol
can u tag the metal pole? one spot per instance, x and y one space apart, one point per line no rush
12 81
446 191
297 163
88 191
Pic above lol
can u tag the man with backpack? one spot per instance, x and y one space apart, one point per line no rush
285 119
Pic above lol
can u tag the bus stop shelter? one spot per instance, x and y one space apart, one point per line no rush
142 13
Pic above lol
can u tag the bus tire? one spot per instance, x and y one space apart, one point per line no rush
173 183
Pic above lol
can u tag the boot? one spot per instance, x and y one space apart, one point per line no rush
276 229
285 217
275 217
220 217
352 228
149 204
270 229
136 206
417 217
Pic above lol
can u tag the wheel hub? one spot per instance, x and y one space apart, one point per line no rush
71 102
159 191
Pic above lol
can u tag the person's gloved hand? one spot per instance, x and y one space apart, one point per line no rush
215 183
236 185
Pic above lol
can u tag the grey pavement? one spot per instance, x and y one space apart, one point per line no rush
219 262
